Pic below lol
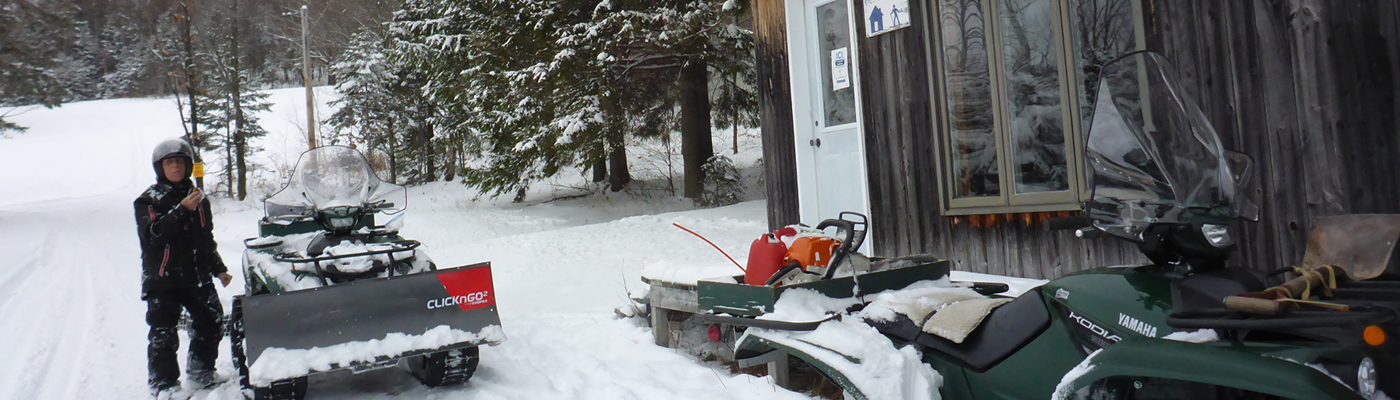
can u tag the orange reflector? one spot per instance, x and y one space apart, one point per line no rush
1374 335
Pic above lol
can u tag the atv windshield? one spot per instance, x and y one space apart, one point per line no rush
334 176
1153 155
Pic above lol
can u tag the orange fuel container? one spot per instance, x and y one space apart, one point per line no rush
765 258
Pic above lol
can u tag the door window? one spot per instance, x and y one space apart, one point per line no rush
834 45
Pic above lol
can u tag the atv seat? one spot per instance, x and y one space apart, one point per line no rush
1005 330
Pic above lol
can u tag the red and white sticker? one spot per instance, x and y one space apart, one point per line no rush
467 289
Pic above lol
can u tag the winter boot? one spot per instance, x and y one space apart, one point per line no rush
204 379
169 393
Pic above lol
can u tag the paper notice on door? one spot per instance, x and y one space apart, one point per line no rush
840 69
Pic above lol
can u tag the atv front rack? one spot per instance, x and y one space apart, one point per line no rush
1367 303
322 273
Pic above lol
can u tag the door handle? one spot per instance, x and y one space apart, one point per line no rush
815 142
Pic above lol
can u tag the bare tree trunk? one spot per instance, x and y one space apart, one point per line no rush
451 161
618 176
228 162
239 139
600 165
393 158
190 82
696 146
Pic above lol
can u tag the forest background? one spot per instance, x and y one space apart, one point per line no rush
496 94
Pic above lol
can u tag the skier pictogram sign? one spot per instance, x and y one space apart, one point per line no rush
885 15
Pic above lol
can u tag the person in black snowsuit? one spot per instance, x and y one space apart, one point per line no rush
178 258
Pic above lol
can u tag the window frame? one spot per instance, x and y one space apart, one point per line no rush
1007 200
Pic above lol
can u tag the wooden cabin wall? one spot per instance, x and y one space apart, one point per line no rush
1307 89
901 134
775 112
894 98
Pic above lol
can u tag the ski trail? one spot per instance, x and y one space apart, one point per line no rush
71 303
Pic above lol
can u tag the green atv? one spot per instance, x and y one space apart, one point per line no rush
330 289
1184 327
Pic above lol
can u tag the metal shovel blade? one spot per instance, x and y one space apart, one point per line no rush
459 298
1360 244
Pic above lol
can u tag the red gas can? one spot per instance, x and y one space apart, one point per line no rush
765 258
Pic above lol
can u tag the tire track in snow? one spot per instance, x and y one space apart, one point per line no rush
67 313
17 278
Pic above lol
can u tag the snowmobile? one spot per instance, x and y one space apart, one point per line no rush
1185 326
328 289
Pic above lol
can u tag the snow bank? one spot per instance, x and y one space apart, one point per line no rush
278 363
689 273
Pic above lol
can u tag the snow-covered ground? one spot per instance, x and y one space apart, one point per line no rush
72 323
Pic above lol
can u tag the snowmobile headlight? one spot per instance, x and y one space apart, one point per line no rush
1217 235
1366 377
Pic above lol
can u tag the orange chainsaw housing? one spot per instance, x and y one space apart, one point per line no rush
811 251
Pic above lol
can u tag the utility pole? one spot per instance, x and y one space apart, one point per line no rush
306 77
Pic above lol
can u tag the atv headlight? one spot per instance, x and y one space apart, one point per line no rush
341 222
1366 377
1217 235
340 218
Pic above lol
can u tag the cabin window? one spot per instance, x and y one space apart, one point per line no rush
1016 80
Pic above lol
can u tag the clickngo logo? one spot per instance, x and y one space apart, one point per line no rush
473 299
468 289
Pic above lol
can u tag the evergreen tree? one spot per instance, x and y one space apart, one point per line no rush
26 74
365 79
230 102
532 87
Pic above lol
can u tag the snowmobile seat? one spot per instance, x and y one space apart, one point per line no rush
1005 330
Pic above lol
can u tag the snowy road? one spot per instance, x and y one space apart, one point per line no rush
72 323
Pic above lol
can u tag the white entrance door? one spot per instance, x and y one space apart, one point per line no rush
835 137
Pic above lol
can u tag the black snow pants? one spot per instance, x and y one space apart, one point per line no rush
163 315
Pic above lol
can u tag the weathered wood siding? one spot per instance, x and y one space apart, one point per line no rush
1307 89
899 148
901 135
775 112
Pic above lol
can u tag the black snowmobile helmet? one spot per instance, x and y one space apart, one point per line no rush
174 147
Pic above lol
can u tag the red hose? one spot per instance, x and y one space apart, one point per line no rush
712 244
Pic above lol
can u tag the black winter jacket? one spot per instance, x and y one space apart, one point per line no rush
177 245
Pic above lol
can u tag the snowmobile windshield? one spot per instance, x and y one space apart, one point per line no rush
334 176
1153 156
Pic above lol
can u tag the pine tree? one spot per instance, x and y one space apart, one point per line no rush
26 74
364 78
227 107
533 87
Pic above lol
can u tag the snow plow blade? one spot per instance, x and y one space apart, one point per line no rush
370 322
